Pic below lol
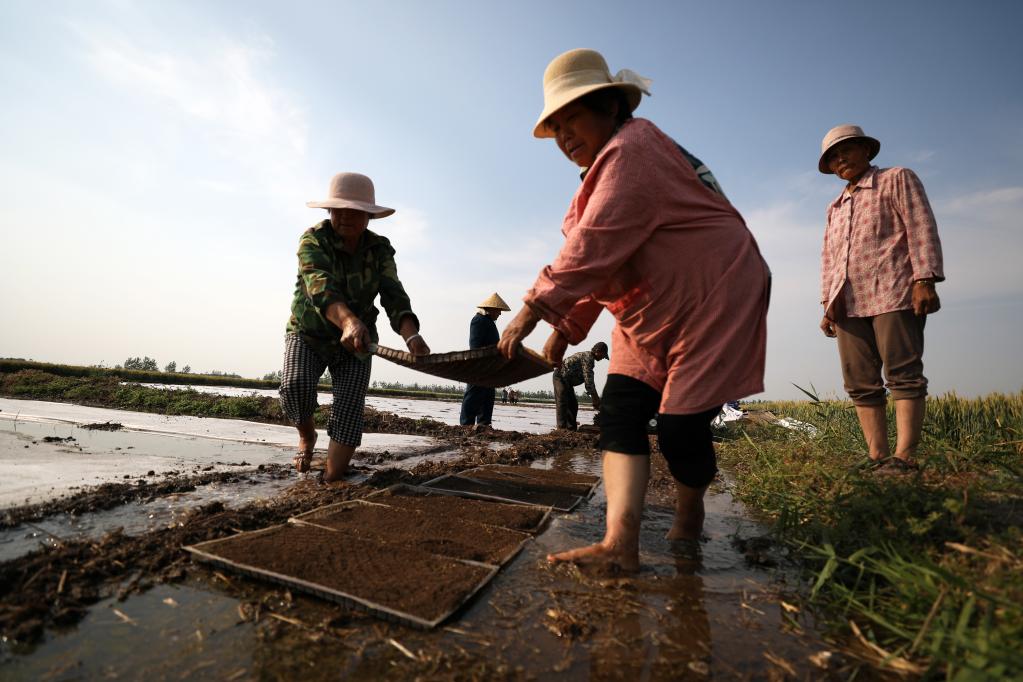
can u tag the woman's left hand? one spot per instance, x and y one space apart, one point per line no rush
417 346
517 330
554 349
925 299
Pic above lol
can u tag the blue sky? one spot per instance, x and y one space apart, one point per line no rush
156 159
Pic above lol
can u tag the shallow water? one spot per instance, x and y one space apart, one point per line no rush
526 417
687 615
33 470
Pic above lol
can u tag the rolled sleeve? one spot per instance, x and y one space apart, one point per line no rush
591 387
910 201
618 219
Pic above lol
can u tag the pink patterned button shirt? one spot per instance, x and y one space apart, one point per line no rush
672 260
880 238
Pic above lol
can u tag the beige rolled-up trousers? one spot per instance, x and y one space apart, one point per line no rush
890 342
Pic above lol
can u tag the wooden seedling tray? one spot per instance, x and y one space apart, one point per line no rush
445 543
505 491
208 552
552 479
400 489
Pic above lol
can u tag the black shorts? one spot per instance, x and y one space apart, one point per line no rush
685 440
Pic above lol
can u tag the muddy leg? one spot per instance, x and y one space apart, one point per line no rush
625 481
338 457
689 514
874 423
306 443
909 420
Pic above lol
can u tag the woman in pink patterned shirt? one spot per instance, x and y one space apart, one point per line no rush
880 260
650 237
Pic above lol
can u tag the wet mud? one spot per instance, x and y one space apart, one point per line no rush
137 605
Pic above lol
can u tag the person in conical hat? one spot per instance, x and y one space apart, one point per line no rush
651 237
478 401
342 268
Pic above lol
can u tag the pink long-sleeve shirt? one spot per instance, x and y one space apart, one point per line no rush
673 261
881 237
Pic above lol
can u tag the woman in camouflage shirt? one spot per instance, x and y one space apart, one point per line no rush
342 268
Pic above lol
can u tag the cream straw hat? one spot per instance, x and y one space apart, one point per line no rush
352 190
575 73
494 301
840 134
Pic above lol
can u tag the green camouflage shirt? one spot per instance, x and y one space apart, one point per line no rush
327 275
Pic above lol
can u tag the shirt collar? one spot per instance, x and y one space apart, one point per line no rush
584 171
365 241
866 181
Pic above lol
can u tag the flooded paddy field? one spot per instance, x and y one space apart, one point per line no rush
525 417
132 605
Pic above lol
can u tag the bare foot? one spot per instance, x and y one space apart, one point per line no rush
600 553
304 459
303 462
333 477
688 524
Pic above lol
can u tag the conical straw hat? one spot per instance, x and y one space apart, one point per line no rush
494 301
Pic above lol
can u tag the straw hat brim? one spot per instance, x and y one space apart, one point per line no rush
873 143
632 93
373 210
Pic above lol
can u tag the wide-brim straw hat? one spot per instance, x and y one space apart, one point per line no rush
840 134
352 190
494 301
578 72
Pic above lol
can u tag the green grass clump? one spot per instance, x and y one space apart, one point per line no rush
110 392
922 573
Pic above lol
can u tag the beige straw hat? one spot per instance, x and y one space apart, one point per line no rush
352 190
494 301
839 134
575 73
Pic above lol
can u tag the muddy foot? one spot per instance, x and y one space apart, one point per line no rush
303 462
687 531
616 560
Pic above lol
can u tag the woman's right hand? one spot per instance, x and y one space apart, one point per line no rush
828 327
517 330
354 335
554 349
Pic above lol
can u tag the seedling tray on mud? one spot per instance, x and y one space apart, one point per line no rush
448 535
528 518
517 484
393 582
553 479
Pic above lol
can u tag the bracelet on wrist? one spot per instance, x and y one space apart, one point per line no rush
414 336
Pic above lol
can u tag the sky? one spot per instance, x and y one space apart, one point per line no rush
155 160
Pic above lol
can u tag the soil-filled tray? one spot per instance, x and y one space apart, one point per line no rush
444 534
503 491
397 583
552 479
527 518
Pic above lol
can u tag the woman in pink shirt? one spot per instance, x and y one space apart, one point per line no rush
650 237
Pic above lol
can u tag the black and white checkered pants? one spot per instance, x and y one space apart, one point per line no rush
303 368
